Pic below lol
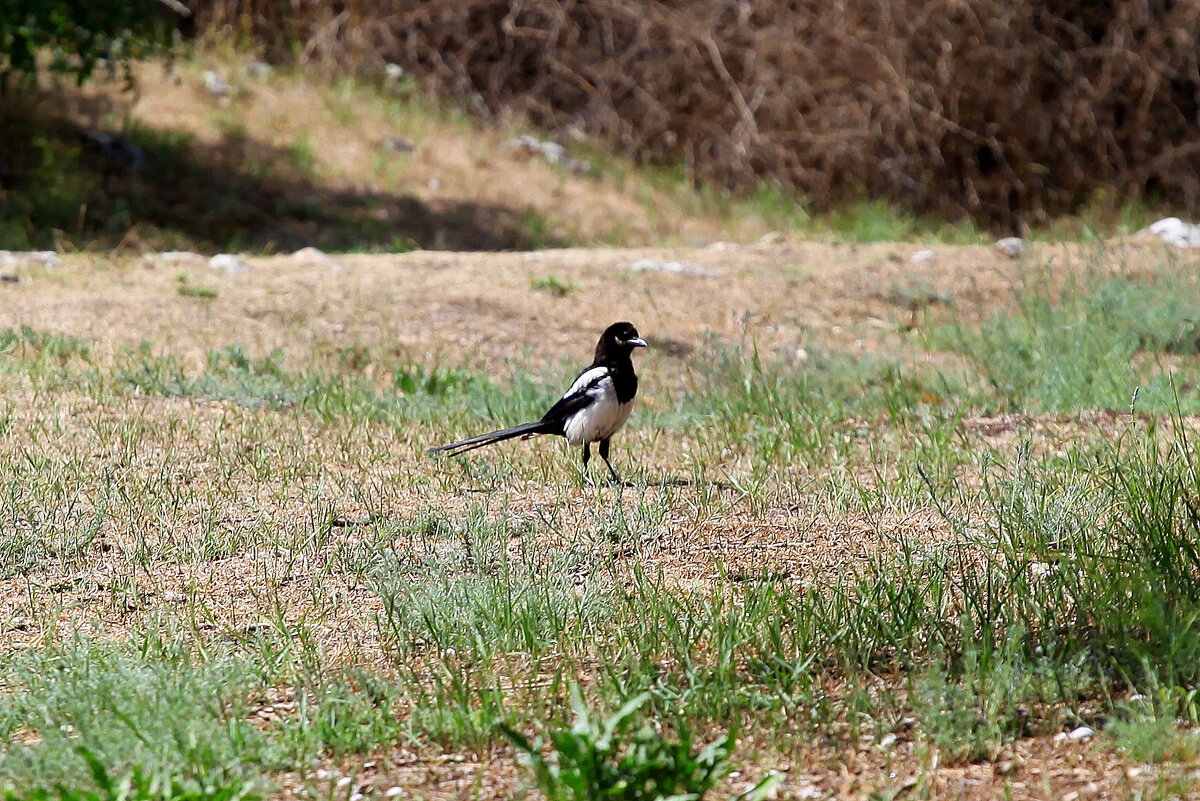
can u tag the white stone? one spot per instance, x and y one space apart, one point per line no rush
1081 733
215 84
234 265
25 258
1174 231
1012 246
310 254
1078 733
922 256
676 267
179 257
552 152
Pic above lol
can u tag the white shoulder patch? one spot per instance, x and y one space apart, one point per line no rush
590 380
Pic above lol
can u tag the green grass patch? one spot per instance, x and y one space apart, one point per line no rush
187 289
553 285
162 713
625 757
1090 343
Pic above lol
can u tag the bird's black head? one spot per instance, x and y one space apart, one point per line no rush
618 340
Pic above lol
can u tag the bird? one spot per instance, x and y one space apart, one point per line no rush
593 409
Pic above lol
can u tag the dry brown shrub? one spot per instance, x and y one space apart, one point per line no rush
1003 111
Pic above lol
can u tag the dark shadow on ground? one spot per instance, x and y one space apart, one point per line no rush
59 186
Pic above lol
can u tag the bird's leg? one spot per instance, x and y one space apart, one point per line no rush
604 455
587 454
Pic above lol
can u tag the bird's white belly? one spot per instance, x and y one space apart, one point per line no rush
599 421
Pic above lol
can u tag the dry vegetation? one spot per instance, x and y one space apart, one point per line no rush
288 159
903 523
1004 112
272 505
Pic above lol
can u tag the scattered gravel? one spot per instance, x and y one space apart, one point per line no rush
552 152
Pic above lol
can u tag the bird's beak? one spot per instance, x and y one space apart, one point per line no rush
637 342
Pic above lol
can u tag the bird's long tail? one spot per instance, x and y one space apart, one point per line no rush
526 429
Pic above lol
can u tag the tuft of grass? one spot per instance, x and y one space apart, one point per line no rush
28 344
553 285
161 713
302 154
625 757
189 290
1091 343
134 786
354 715
1151 728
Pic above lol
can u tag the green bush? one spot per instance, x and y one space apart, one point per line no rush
73 38
620 760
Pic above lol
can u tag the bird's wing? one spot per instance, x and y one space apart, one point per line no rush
588 387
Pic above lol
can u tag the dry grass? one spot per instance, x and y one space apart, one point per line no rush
274 504
288 160
1005 112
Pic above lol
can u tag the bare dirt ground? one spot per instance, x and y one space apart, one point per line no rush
446 307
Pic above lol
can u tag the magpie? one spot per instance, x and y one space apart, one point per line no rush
592 410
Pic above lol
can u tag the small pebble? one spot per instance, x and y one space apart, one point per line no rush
1078 733
310 254
1012 246
922 256
215 84
1082 733
234 265
398 145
